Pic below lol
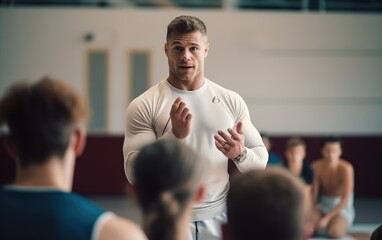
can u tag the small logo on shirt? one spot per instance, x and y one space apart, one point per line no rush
216 99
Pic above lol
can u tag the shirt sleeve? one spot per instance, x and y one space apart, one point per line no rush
257 154
139 131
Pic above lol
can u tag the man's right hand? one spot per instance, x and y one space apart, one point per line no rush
180 118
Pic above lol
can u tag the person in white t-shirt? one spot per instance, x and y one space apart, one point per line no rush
208 118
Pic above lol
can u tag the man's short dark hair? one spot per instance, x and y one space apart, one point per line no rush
40 118
266 204
184 25
331 139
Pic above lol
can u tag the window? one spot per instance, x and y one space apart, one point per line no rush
97 78
139 72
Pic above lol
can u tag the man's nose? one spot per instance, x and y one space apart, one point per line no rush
186 55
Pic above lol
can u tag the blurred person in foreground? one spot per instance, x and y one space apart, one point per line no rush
47 131
268 204
169 180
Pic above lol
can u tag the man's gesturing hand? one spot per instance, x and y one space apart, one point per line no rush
232 144
180 118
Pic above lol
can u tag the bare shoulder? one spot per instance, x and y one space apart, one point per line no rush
118 228
346 166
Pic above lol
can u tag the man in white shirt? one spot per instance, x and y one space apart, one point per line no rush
210 119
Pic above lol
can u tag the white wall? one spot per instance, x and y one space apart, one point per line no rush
300 73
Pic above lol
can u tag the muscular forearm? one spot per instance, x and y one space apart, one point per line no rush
131 149
256 158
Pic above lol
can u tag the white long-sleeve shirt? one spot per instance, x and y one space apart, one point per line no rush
213 108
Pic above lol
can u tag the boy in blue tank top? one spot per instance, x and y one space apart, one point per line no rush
46 123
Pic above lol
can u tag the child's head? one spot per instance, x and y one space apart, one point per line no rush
168 180
265 204
331 148
295 150
41 118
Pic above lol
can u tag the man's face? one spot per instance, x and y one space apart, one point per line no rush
332 151
296 154
186 53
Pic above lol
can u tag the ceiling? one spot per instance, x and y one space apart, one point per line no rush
369 6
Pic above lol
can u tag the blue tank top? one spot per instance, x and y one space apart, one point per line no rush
46 214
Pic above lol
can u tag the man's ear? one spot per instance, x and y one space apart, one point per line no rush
10 147
206 49
199 196
166 49
79 141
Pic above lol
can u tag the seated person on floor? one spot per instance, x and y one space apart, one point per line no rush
333 190
46 122
265 204
273 157
168 181
295 152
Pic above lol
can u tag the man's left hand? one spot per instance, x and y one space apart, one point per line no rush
231 144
